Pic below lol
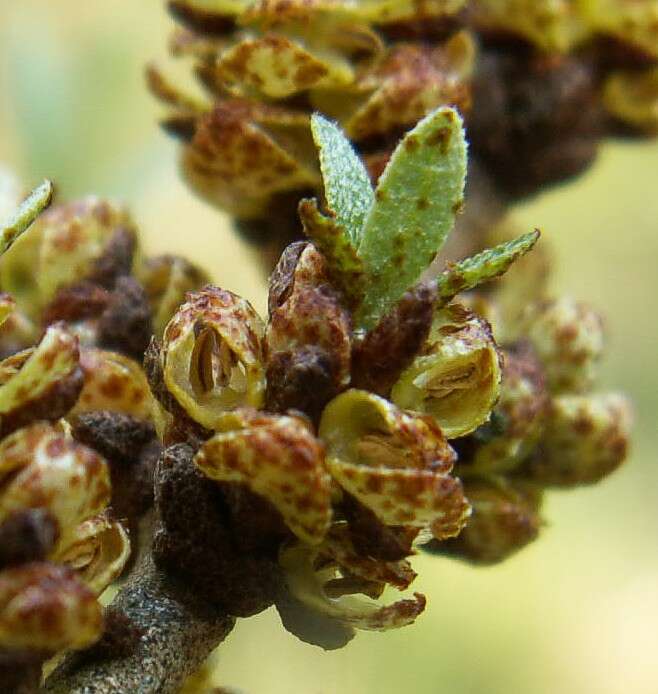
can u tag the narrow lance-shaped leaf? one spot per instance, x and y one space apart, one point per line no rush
417 198
483 267
346 183
27 212
343 264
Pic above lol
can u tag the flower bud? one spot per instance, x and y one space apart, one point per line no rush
568 339
456 379
278 458
243 153
113 382
42 468
585 439
308 335
505 518
167 279
87 239
212 355
42 382
46 607
97 550
404 86
394 463
520 413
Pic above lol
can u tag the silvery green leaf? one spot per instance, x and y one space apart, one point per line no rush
416 201
347 186
482 267
27 212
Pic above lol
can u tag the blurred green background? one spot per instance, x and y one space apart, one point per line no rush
576 612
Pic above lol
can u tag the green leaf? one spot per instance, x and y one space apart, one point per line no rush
483 267
417 198
27 212
344 266
346 182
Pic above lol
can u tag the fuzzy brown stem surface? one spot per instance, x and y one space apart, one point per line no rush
175 632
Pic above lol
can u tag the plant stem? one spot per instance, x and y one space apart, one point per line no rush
178 630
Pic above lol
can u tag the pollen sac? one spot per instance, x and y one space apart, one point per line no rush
42 382
519 414
308 339
167 279
309 585
505 519
456 378
278 458
46 607
212 357
114 383
395 464
41 468
98 551
632 98
568 339
585 439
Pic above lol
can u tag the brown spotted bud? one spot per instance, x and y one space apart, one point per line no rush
568 339
115 383
46 607
456 378
278 458
87 239
585 439
519 416
211 355
505 519
42 468
394 463
308 335
42 382
167 279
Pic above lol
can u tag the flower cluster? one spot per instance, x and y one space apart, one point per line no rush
309 456
77 442
539 84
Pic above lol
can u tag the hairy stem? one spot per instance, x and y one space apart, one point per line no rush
176 631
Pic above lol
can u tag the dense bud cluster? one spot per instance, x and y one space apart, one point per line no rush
538 83
77 443
322 446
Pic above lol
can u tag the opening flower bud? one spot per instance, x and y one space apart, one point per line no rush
394 463
456 379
